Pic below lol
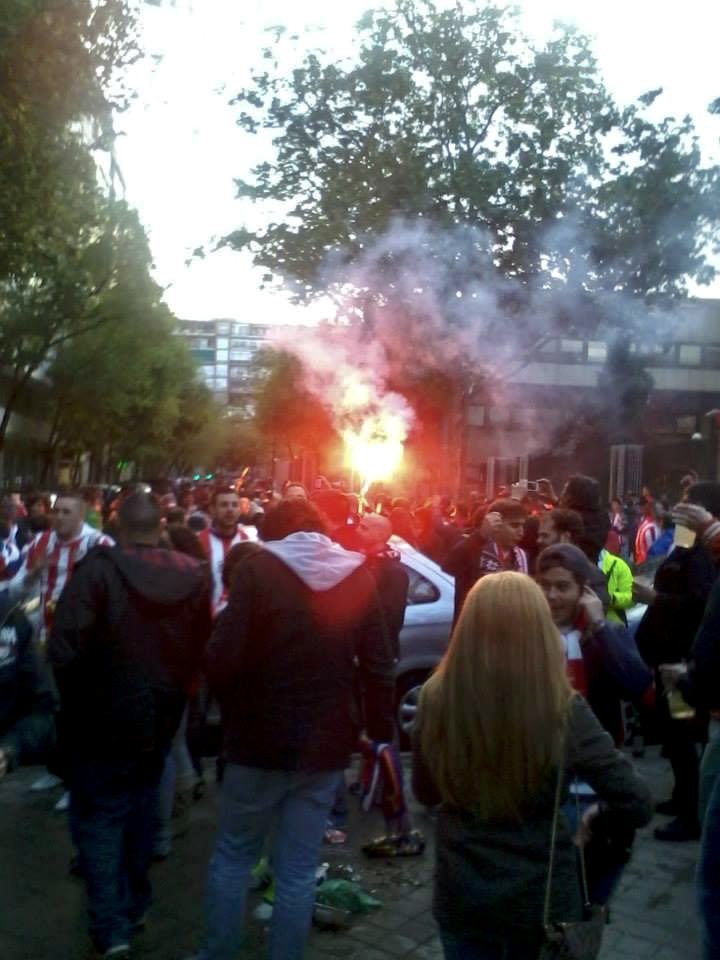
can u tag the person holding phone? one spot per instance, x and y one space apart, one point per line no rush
603 665
493 546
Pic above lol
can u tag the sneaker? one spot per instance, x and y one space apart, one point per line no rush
667 808
396 845
48 781
263 912
63 803
678 831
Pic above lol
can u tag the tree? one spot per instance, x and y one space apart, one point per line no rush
130 392
543 199
287 412
60 79
68 252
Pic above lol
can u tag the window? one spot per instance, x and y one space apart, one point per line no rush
420 589
499 416
223 327
690 355
572 346
241 353
222 356
222 343
597 351
686 424
712 357
475 416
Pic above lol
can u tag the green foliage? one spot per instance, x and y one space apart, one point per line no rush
287 413
452 117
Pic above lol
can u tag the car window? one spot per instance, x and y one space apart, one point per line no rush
420 589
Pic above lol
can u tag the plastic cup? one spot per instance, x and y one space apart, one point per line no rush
680 709
684 537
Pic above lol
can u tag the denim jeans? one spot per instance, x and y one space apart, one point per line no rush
111 823
177 777
708 875
252 802
457 948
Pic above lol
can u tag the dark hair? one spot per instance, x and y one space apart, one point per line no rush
139 515
293 483
402 524
581 493
197 523
235 556
184 540
706 495
70 493
334 504
567 557
176 515
293 516
568 521
508 509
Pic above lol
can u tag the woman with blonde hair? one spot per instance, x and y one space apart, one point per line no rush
497 722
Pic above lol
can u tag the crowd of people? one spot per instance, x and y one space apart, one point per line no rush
124 616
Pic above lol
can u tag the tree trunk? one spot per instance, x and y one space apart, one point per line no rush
11 401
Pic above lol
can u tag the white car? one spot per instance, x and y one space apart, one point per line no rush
426 630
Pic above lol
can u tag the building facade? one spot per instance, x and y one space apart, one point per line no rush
528 429
224 351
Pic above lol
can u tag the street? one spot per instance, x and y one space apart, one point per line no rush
43 917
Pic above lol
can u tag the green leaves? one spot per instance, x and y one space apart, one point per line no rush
455 116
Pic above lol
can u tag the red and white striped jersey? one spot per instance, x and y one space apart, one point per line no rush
62 555
647 534
575 665
216 549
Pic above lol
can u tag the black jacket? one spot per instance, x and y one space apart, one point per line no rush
615 673
701 687
281 662
128 639
392 586
682 584
27 700
470 559
490 875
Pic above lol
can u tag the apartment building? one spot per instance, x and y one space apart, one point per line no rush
224 350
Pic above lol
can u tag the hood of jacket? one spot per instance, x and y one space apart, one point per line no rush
163 577
317 560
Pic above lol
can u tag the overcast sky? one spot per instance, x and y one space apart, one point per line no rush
181 148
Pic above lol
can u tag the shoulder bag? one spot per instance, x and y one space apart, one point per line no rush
582 939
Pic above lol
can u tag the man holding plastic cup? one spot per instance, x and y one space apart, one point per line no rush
698 682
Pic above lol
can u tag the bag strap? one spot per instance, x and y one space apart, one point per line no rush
583 867
553 840
553 843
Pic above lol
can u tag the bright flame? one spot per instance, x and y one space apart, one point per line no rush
374 451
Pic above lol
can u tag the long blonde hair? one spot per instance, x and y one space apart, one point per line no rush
492 716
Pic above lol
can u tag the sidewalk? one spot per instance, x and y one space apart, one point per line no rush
43 914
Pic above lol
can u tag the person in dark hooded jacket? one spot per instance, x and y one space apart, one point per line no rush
128 638
582 494
282 665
